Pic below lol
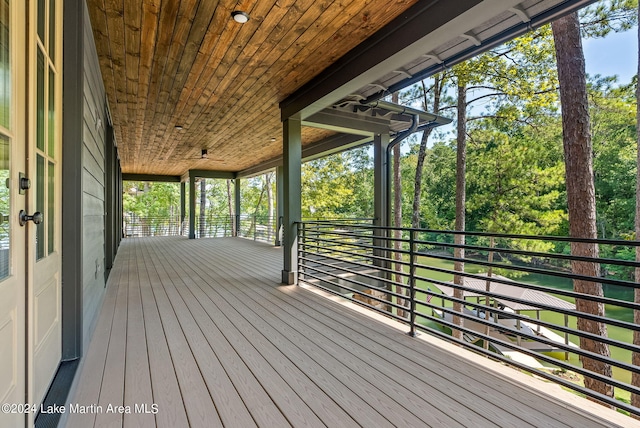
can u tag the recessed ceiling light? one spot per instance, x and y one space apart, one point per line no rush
273 139
179 128
240 16
204 154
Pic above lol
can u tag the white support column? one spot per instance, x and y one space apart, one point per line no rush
292 159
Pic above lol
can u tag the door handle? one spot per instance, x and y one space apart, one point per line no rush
36 218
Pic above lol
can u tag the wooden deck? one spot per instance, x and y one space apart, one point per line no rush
203 330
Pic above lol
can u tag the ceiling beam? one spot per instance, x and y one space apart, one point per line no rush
422 28
203 173
325 147
331 145
528 24
349 123
150 177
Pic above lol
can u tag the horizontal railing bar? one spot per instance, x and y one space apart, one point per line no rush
585 315
522 366
353 281
318 232
373 257
380 258
358 244
600 260
331 255
493 310
490 309
307 220
577 351
363 246
369 266
504 235
568 257
344 270
562 292
622 283
549 376
568 293
330 248
576 295
541 356
386 302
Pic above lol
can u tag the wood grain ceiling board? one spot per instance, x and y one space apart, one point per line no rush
186 62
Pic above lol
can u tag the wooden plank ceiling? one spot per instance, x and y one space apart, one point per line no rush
168 63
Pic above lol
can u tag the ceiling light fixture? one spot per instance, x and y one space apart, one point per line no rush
179 128
204 155
240 16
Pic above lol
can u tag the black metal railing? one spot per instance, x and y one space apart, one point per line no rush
515 300
152 226
214 226
258 228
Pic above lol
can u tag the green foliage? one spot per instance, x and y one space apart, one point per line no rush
439 187
608 16
146 199
511 189
338 186
613 124
253 199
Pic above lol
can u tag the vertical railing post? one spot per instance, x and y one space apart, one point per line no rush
279 231
302 235
412 284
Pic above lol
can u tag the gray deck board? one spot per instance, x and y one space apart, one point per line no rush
203 329
137 372
165 387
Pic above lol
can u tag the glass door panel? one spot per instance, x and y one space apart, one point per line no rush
13 278
5 142
5 207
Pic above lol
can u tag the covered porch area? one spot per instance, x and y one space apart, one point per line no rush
202 333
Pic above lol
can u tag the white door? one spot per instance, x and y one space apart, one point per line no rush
13 278
43 160
30 283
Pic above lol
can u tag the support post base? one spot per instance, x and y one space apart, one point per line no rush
289 278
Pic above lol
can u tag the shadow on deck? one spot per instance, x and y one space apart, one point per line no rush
200 333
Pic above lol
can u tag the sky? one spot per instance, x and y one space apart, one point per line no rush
616 54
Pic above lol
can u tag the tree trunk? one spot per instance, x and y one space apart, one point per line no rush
635 358
252 226
580 187
417 190
461 197
397 221
203 206
230 202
